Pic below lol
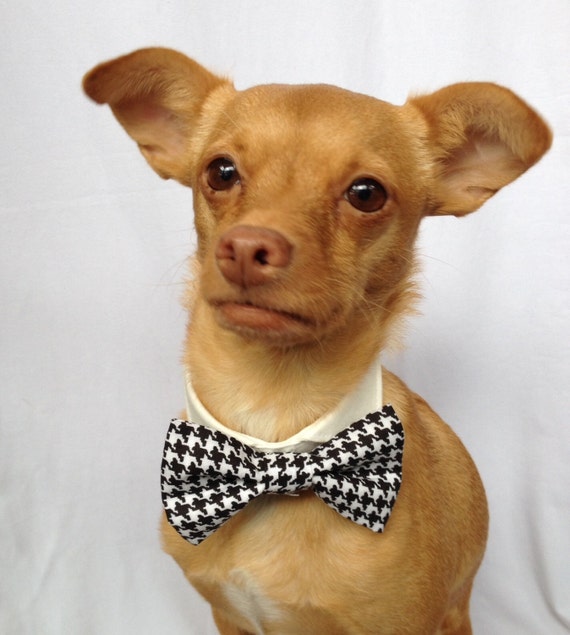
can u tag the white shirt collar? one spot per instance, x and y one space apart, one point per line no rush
365 398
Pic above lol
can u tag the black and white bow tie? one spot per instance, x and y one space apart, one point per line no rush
207 476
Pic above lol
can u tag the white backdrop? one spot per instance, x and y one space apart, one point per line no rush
92 249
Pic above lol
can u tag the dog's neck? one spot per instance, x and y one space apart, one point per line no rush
272 393
367 397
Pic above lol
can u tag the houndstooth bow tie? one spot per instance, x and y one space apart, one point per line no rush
208 476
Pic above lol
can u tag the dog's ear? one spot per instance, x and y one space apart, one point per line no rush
156 94
484 137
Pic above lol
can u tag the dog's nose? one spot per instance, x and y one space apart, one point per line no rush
252 256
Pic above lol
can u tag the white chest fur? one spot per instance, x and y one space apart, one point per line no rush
249 601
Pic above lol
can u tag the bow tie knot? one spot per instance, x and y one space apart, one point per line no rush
208 476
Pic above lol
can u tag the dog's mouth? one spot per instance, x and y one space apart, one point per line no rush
258 321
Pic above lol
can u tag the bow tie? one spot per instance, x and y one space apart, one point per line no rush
207 476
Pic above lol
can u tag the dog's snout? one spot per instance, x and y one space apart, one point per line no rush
251 256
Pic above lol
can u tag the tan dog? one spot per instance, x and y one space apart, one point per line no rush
307 203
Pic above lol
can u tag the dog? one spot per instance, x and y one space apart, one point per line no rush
307 203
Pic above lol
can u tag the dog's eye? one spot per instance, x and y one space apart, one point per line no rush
366 195
222 174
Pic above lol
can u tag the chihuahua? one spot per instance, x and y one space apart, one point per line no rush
307 203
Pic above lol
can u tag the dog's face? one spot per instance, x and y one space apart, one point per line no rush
317 197
308 198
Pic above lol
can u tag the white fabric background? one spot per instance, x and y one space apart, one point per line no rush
92 258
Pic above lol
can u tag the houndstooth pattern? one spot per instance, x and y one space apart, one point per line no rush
207 477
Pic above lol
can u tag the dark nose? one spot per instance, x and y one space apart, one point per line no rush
251 256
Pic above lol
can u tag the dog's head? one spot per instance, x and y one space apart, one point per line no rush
307 199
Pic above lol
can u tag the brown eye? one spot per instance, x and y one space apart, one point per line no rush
366 195
222 174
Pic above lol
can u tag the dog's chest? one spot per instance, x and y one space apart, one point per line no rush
273 575
250 602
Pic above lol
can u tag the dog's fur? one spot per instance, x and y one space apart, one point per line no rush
297 292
